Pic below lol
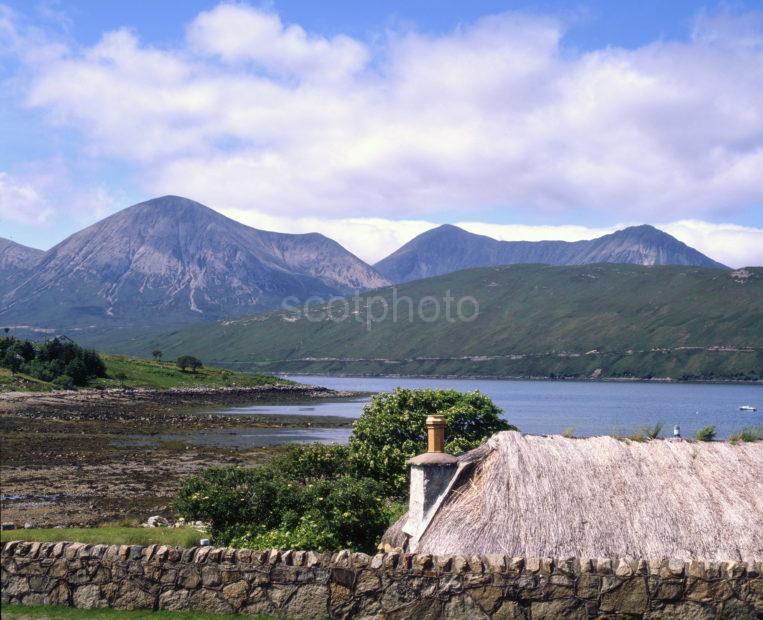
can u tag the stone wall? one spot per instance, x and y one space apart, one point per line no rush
298 584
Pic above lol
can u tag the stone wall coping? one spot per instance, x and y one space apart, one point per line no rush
391 562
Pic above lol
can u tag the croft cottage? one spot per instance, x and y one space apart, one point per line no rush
537 496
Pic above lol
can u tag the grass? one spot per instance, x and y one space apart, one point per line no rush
138 372
647 433
17 382
617 321
133 372
110 535
50 612
706 433
747 434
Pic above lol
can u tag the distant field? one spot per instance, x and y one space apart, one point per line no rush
49 612
179 537
136 372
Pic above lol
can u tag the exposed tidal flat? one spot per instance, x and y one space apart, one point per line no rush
88 457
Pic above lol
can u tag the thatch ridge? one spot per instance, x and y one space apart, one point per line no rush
536 496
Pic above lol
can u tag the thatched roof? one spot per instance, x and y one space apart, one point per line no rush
524 495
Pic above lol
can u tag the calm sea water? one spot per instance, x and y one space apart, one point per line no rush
548 407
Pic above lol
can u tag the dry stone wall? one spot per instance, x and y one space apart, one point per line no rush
299 584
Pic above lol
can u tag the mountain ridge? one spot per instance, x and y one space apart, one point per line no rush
448 248
15 260
182 260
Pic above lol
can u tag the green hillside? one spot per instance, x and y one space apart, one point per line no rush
133 372
533 320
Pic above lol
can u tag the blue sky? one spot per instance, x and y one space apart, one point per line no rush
371 122
594 24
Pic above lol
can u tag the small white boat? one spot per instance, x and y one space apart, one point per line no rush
747 408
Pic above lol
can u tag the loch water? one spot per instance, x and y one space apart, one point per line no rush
549 407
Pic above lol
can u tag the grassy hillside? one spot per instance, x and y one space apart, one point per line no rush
533 320
122 371
19 382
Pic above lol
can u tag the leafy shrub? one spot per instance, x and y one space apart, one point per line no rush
259 507
346 513
309 462
392 429
309 534
227 497
706 434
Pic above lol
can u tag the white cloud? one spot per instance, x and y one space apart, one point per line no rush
275 124
44 195
521 232
730 244
237 33
369 238
21 202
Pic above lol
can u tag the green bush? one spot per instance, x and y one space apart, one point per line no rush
310 462
248 507
392 429
346 513
231 497
706 434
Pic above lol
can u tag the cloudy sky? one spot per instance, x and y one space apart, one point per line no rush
521 120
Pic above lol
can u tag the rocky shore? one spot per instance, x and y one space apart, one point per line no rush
69 458
181 397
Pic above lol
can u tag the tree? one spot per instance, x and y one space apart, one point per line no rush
157 354
6 329
121 377
392 429
52 359
184 362
77 371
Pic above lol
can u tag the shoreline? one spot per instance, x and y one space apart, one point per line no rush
659 380
184 394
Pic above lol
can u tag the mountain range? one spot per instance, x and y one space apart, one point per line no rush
448 248
171 261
